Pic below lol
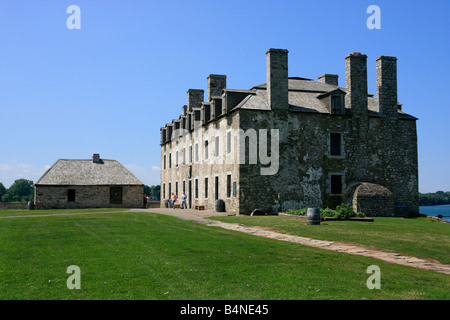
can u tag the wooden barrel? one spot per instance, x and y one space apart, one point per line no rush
313 216
219 205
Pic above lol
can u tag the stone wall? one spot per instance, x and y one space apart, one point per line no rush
56 197
13 206
303 178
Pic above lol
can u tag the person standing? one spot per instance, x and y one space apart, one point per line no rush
174 198
183 200
145 201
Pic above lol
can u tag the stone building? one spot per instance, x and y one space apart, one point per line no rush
88 183
294 142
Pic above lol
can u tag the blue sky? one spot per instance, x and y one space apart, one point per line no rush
108 87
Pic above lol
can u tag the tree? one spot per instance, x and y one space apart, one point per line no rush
156 191
434 199
21 190
147 190
152 191
2 190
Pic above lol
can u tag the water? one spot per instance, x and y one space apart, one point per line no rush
435 210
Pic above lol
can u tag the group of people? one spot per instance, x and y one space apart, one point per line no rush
174 198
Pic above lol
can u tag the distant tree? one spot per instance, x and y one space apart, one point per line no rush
2 190
434 199
7 197
21 190
156 191
152 191
147 190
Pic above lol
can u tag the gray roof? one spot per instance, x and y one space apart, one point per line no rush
86 172
304 97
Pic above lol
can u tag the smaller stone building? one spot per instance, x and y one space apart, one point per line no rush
88 183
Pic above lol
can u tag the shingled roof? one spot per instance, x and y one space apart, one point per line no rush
87 172
304 97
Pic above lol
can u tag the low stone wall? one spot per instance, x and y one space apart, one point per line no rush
153 204
13 206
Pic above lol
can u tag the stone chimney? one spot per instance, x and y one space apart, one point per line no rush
386 72
277 79
216 83
329 79
195 98
356 82
96 158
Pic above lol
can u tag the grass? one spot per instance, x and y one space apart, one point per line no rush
8 213
126 255
420 237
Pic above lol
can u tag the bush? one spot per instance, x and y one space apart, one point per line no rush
345 211
341 211
327 212
297 212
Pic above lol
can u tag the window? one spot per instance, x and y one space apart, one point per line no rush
164 162
234 189
164 191
196 152
206 188
115 194
229 186
71 195
170 160
217 188
176 188
184 186
184 156
228 142
335 144
196 188
176 159
190 154
337 106
206 149
336 184
170 190
217 146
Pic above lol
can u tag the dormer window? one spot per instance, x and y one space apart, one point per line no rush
337 104
334 101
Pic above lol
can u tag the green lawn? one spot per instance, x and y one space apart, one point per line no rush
420 237
126 255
